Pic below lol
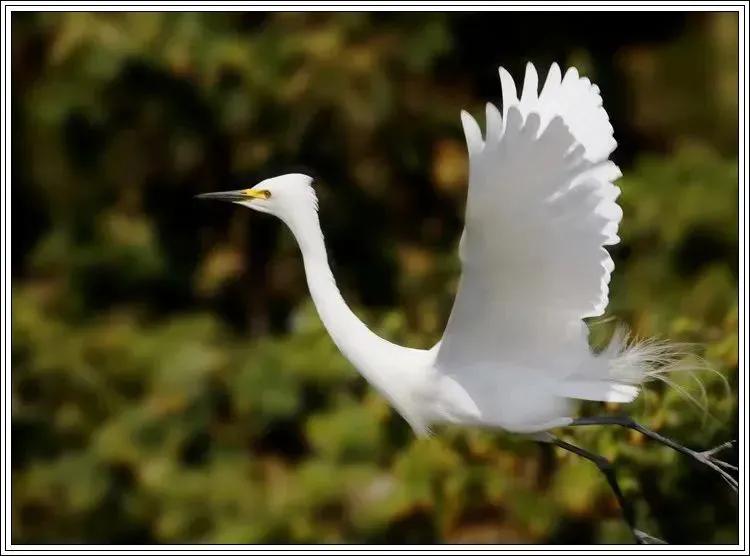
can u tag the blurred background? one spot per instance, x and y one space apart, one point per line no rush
171 380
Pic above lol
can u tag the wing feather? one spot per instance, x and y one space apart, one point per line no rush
541 207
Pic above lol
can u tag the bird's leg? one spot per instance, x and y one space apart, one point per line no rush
605 466
707 457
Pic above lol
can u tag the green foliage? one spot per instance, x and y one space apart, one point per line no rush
172 382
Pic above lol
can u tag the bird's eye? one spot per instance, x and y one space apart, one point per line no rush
257 193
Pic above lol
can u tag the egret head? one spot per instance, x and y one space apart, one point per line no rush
284 196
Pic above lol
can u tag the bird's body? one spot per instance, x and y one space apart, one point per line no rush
541 209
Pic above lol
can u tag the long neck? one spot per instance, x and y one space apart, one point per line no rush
357 342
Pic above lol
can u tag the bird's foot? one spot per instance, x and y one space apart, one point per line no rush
721 447
708 457
645 538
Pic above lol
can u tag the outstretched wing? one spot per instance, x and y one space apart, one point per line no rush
541 207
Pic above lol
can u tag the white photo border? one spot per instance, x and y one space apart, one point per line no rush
10 7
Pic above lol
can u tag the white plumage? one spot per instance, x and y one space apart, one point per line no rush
541 208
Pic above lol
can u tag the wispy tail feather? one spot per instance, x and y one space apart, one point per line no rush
628 363
635 362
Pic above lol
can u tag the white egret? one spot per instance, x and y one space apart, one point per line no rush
515 355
